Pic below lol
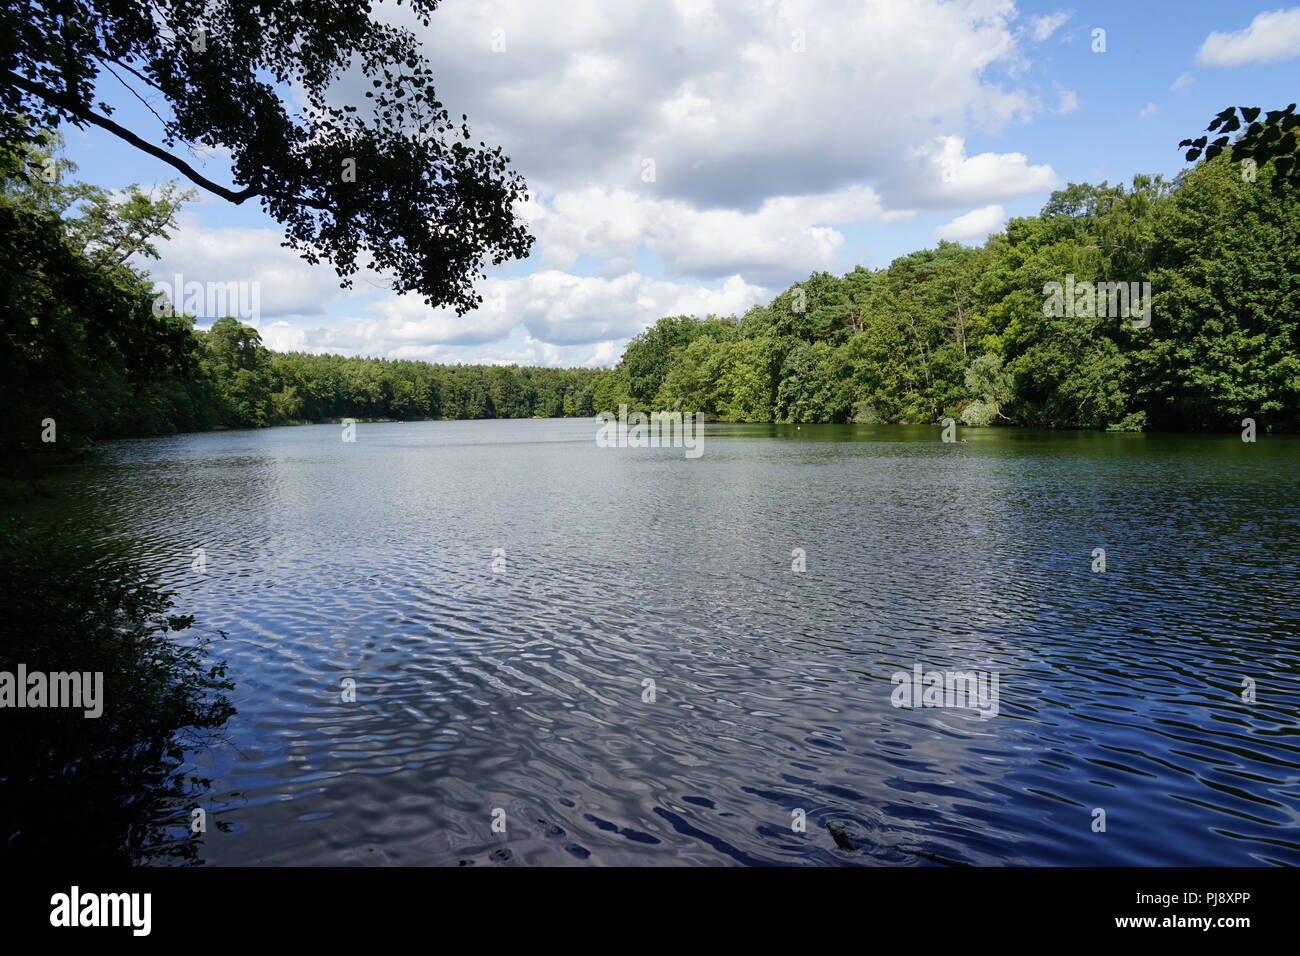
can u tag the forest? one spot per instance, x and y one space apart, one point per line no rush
955 331
86 353
973 333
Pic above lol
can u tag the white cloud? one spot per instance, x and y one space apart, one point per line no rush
1185 81
553 308
717 94
948 177
288 285
784 239
976 224
1270 37
605 353
1149 110
1044 26
765 159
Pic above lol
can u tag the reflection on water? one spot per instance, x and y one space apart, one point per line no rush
525 689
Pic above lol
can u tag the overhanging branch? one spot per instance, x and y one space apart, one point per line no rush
71 106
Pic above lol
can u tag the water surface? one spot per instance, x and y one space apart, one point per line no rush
523 689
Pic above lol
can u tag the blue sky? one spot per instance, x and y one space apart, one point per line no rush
786 138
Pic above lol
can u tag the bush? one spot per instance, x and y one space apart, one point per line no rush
865 413
977 414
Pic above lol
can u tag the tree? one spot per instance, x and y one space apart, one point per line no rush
397 181
987 380
1275 139
1226 343
648 357
80 343
745 381
242 371
692 381
916 320
806 384
815 310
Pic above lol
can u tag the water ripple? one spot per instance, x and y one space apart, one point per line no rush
644 679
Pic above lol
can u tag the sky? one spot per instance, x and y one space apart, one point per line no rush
700 156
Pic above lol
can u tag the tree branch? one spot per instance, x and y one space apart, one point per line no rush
71 106
134 93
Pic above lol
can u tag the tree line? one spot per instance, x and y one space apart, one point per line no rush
980 335
956 331
86 355
242 383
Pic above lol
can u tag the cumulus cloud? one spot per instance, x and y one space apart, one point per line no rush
736 144
786 238
946 176
288 285
1149 110
735 103
1185 81
976 224
1044 26
1272 36
1069 102
552 308
282 336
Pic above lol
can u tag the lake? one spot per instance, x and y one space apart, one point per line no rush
608 652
